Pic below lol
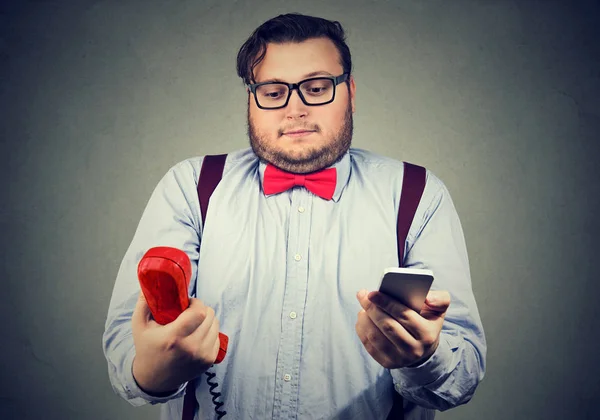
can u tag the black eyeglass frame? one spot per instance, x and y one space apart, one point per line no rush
291 86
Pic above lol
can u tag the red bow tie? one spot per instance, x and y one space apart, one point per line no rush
320 183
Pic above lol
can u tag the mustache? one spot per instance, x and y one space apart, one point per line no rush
296 128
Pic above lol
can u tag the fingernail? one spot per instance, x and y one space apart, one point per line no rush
361 293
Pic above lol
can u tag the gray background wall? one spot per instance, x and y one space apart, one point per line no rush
498 98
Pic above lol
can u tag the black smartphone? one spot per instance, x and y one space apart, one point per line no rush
408 285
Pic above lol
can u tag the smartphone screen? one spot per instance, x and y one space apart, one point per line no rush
407 285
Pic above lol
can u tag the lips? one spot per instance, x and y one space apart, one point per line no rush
298 132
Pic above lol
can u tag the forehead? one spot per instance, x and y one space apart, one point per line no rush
293 61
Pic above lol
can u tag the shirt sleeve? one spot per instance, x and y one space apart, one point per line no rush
171 218
436 242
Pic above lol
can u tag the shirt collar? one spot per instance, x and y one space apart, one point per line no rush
343 174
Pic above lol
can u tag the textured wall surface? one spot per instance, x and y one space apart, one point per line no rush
497 98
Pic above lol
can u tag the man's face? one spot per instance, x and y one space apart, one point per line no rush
330 125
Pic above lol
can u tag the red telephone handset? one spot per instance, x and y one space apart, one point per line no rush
164 274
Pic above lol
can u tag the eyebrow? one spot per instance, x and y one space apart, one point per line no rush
306 76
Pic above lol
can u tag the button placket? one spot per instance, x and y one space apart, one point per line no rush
294 300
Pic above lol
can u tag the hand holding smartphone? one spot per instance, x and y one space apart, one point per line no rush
407 285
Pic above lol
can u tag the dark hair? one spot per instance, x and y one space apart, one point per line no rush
292 27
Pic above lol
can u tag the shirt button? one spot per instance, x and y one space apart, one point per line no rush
287 377
301 209
293 315
297 257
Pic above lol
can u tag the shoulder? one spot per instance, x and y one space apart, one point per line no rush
190 168
387 174
376 164
368 161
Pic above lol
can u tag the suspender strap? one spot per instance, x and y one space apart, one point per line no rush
413 185
210 175
189 401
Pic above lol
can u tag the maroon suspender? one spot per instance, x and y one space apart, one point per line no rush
189 401
210 175
413 184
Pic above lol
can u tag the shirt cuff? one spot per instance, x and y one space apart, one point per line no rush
138 394
427 372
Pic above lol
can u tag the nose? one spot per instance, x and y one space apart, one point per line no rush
295 107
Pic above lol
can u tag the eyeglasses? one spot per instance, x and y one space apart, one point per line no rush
314 91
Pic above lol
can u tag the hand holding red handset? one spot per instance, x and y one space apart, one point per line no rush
164 274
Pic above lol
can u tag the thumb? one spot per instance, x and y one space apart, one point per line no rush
141 314
437 301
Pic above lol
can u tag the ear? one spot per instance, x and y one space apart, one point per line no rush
352 93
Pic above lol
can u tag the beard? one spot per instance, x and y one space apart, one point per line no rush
311 158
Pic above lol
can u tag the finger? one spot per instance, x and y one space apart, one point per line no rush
375 342
368 331
213 336
392 306
394 330
203 330
362 299
190 319
206 337
141 313
411 321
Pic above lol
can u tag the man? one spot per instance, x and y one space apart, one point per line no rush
279 271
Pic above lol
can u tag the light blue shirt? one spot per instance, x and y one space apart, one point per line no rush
282 272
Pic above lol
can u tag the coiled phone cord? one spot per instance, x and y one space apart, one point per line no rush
215 395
